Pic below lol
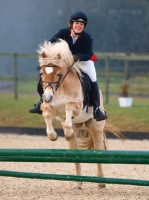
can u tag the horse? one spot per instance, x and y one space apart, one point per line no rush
63 100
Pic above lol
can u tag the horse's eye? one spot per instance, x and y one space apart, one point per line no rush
59 74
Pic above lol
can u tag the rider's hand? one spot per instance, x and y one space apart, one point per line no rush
76 58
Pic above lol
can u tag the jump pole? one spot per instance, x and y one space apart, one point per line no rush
82 156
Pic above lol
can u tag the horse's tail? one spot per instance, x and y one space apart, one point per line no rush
109 128
85 140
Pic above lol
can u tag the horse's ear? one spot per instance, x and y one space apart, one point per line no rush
43 55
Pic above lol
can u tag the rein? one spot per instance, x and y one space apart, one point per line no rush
65 74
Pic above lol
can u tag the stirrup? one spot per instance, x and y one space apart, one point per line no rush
99 115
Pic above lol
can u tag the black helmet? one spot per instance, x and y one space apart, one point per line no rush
78 16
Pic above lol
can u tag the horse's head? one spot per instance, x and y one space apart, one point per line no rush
54 60
50 77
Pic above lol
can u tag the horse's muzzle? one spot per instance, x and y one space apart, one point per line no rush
47 96
47 99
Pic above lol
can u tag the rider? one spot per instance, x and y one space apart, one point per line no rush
80 44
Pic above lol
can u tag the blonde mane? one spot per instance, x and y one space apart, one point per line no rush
57 53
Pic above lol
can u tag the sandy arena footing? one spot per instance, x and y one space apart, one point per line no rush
33 189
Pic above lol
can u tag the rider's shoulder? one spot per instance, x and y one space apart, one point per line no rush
87 35
64 30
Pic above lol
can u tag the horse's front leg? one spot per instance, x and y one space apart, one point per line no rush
72 109
47 114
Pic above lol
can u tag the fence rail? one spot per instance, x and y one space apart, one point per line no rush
82 156
126 57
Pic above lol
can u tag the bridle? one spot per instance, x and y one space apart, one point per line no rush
50 84
60 79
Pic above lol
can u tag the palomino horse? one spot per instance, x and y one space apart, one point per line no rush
63 100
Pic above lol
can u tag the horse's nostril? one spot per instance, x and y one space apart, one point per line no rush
51 98
48 100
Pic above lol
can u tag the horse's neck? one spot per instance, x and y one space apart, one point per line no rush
70 84
70 77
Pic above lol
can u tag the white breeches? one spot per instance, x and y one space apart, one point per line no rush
89 68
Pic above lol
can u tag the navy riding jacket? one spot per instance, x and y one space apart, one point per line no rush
82 47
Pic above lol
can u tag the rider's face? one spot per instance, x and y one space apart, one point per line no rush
78 27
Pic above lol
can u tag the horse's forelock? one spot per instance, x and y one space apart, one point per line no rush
58 54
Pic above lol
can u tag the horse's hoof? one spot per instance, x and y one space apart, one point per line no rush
69 134
78 188
101 186
70 137
52 136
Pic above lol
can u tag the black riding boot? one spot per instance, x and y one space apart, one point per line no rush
36 108
98 114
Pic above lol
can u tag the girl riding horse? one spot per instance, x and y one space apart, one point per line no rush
80 44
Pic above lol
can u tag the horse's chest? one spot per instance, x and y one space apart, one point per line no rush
84 116
59 105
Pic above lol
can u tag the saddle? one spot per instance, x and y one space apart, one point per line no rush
86 84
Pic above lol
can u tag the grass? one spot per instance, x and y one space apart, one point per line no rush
136 118
133 118
15 113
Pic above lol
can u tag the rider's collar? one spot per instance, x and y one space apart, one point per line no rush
80 36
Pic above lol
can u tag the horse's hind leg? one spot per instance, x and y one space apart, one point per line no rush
96 129
72 144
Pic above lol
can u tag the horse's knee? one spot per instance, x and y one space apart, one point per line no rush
46 109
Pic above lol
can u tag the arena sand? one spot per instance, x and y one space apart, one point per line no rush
33 189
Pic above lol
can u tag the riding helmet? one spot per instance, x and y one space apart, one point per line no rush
78 16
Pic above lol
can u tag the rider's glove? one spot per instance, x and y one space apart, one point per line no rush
76 58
